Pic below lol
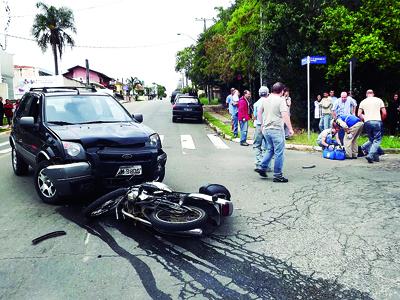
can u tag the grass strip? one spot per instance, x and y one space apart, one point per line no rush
302 139
204 100
226 129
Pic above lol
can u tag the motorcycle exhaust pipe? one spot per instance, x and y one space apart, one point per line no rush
136 218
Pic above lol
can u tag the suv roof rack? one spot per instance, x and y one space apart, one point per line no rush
55 89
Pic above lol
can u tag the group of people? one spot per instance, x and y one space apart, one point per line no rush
271 115
346 126
6 110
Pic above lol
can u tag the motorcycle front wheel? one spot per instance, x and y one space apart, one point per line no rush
189 217
104 204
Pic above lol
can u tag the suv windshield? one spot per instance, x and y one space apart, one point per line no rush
80 109
187 100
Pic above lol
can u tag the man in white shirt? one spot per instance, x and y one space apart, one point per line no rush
372 111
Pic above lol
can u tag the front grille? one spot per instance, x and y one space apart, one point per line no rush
107 161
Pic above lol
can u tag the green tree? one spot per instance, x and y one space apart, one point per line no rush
52 27
161 91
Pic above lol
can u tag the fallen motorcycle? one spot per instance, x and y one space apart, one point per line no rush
156 205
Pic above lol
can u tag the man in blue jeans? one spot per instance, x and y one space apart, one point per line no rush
233 110
276 115
372 111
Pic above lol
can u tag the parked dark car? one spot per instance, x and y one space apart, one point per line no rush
187 107
76 140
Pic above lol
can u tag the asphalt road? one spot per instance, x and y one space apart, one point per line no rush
332 232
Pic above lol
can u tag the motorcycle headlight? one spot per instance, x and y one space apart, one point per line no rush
155 140
73 149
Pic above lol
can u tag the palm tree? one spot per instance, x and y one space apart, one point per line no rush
50 27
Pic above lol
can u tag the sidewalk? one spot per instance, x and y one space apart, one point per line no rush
216 112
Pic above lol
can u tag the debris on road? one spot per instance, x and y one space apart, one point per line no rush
48 236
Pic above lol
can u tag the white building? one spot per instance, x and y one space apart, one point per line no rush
26 77
6 75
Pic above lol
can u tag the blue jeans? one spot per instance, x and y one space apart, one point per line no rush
325 121
244 126
259 145
235 123
276 145
374 132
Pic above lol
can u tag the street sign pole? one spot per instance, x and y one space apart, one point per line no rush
308 97
317 60
351 76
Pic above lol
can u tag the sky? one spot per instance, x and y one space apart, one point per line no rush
149 27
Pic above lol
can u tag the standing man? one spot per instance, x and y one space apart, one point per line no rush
394 115
344 106
333 97
259 144
275 116
288 101
229 99
372 111
326 105
233 109
1 111
244 116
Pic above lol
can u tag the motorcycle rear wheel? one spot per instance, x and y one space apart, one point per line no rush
193 217
104 204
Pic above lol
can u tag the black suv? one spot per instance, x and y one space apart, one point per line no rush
79 139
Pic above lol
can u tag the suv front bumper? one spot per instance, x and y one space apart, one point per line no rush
65 177
80 176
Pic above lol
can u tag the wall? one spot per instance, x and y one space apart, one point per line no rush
7 72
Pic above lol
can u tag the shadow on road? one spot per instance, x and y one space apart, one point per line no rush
214 267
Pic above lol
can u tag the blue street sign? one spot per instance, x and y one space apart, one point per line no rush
314 60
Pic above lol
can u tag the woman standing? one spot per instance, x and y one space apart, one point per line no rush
8 111
317 126
1 111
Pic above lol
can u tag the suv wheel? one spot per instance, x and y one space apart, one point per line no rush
20 167
44 186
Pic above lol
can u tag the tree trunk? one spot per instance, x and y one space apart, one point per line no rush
55 58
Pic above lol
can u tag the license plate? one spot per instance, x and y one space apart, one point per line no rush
187 109
129 171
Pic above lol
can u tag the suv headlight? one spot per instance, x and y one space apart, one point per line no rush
72 149
155 140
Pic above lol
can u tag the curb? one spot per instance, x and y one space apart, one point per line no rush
297 147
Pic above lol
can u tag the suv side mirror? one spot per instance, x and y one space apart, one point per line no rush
27 122
138 117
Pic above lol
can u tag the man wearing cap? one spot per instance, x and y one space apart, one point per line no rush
259 144
372 111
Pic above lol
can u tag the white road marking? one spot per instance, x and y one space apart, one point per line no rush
5 151
162 138
87 238
217 141
5 143
187 142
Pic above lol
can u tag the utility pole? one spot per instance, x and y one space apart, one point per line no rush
204 20
87 72
209 88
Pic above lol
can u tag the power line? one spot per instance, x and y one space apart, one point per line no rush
74 10
99 47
